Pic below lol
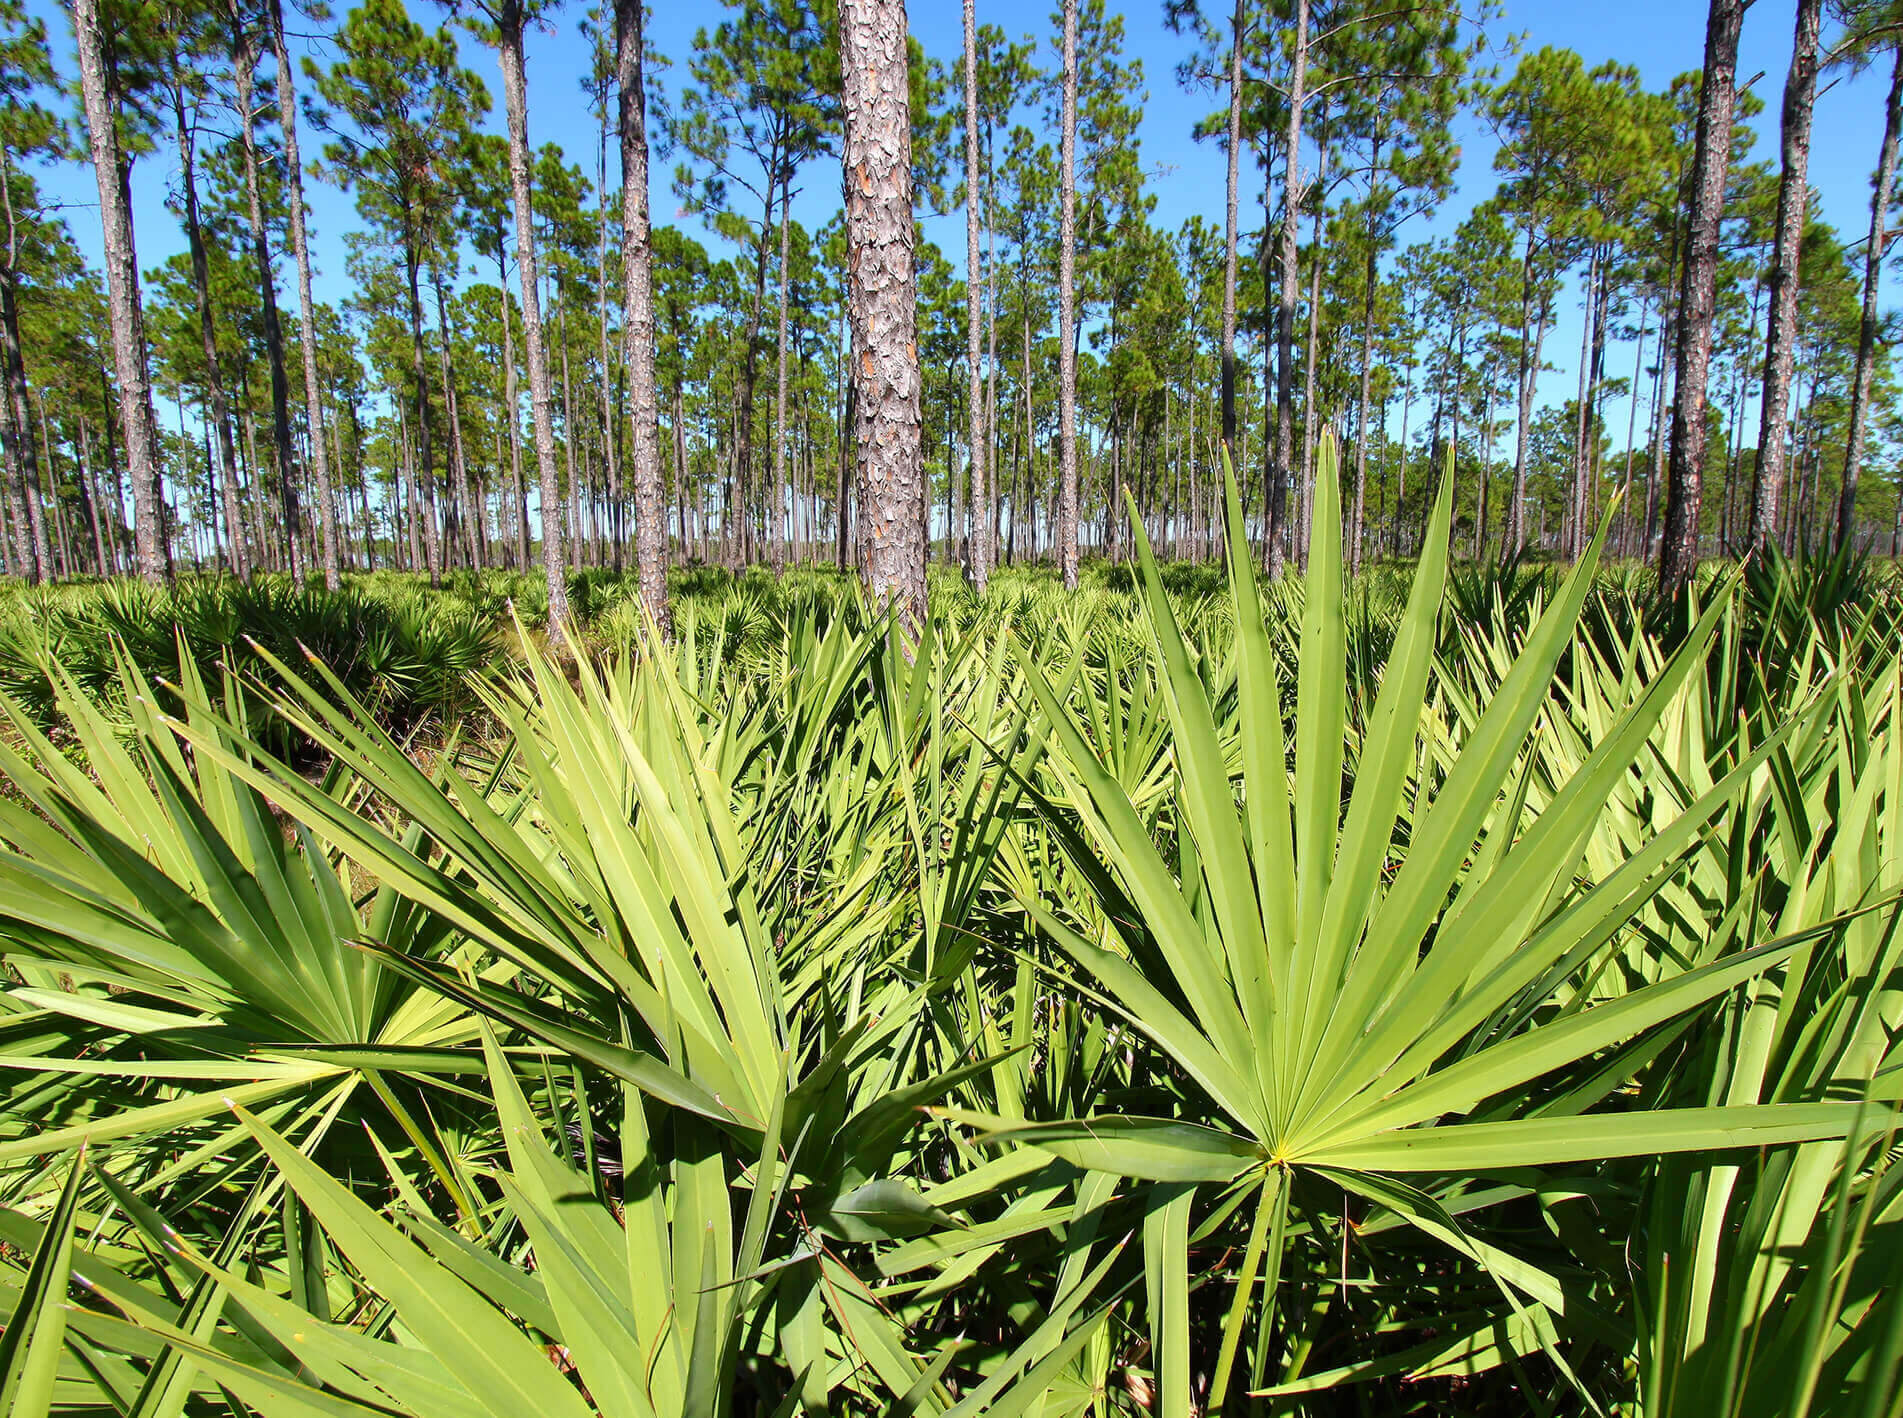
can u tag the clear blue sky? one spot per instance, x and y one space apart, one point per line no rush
1663 37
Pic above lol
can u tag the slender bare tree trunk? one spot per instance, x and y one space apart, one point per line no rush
1572 533
307 305
1678 553
541 392
882 302
208 338
974 320
1632 428
776 505
23 473
244 59
637 321
1309 363
458 453
1067 313
122 294
1363 434
1515 540
1289 294
1230 217
1872 276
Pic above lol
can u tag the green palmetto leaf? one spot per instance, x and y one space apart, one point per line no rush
34 1337
1339 1018
502 1369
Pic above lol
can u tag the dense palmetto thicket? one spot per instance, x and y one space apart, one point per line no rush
558 301
1425 992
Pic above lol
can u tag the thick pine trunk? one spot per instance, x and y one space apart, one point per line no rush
1067 314
541 391
1678 552
974 316
125 312
332 540
882 302
1793 201
637 316
1867 332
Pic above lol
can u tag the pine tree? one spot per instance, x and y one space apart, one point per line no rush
1067 308
1874 28
330 538
877 177
111 169
1678 552
638 322
27 130
409 108
980 438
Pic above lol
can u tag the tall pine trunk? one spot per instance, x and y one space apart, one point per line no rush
1793 201
22 462
1515 540
1289 293
1867 331
883 302
1067 314
1233 197
541 392
331 544
776 506
637 277
974 315
125 312
1678 552
208 338
244 58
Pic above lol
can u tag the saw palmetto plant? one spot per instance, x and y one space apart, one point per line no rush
1406 995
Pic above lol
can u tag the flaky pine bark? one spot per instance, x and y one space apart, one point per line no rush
1230 220
1697 292
882 301
329 538
1067 316
1867 332
637 277
1793 201
125 313
1289 294
208 340
244 61
974 315
515 95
